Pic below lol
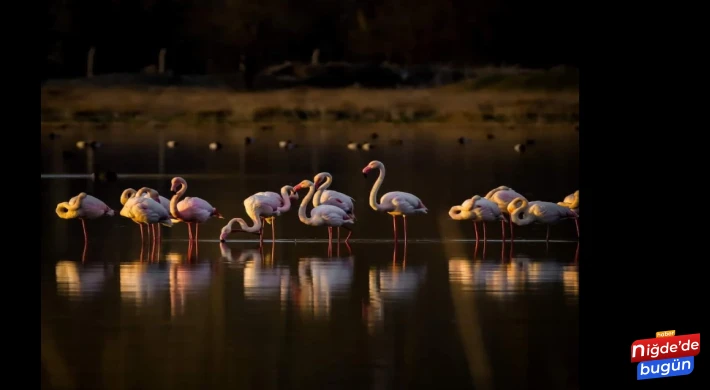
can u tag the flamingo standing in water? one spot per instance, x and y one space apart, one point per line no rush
259 207
524 213
502 196
282 201
571 202
191 209
479 210
393 203
83 207
163 201
323 215
128 197
323 195
143 210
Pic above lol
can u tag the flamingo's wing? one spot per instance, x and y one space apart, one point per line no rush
549 212
330 214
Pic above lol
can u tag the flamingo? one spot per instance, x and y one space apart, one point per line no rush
282 202
393 203
323 195
323 215
479 210
259 207
524 213
571 202
191 209
83 207
128 197
144 210
163 201
502 197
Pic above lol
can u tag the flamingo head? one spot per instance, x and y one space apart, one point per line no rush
303 184
374 164
216 214
320 179
176 184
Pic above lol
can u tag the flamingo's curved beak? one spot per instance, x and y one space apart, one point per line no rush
365 171
297 188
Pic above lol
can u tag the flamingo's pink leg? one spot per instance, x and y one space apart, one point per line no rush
141 226
502 228
197 231
330 240
189 231
273 230
348 237
484 231
83 226
547 236
153 227
576 222
394 224
404 218
511 229
338 236
475 227
147 230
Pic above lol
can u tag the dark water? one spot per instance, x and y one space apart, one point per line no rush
440 312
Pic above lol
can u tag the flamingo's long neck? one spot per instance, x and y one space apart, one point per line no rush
375 188
67 211
286 199
319 192
256 218
515 215
302 210
127 194
575 202
174 200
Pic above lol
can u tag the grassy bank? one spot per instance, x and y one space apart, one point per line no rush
506 98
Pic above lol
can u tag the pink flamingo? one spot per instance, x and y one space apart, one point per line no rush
282 202
128 197
502 196
479 210
323 195
393 203
524 213
259 207
191 209
323 215
571 202
83 207
163 201
144 210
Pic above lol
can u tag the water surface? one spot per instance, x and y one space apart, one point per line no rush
442 311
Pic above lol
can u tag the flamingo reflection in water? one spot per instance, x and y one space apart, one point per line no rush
395 284
319 280
185 280
140 282
81 281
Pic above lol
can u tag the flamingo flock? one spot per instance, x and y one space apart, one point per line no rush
331 209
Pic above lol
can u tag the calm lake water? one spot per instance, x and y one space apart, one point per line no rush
440 312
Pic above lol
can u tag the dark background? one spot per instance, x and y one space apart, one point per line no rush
215 36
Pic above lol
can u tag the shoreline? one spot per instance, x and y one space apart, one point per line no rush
450 104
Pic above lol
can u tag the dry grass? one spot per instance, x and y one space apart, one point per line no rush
445 104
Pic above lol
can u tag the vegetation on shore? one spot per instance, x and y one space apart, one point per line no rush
512 97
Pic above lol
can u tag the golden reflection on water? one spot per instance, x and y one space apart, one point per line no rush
75 280
318 280
394 283
137 285
261 281
186 278
508 279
